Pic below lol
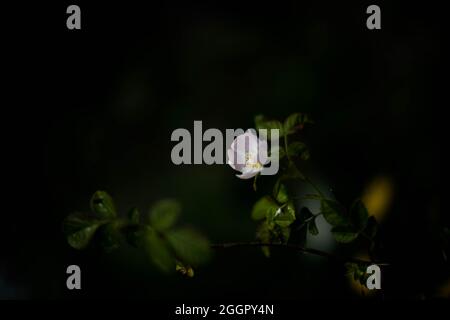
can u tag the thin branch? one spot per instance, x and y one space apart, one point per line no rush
314 216
295 247
312 184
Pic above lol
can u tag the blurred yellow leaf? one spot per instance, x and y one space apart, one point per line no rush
444 291
377 196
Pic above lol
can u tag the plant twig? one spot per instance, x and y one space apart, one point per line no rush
298 248
312 184
314 216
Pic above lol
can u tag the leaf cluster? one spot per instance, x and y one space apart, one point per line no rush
168 246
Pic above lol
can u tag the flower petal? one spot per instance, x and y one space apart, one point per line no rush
247 174
239 157
263 155
246 143
233 160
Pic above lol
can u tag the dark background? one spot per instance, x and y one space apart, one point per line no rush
94 109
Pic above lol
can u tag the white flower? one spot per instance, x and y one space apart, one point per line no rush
248 154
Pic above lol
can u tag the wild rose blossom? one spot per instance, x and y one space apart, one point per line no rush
248 154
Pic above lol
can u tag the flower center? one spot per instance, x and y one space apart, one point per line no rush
251 162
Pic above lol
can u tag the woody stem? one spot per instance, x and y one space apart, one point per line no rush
295 247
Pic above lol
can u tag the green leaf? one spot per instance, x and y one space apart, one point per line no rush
357 272
283 234
333 213
312 227
80 229
280 192
134 216
297 148
264 235
285 216
359 215
266 251
109 236
164 214
262 122
185 270
80 240
352 270
134 235
158 251
295 122
102 205
264 207
344 234
189 246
